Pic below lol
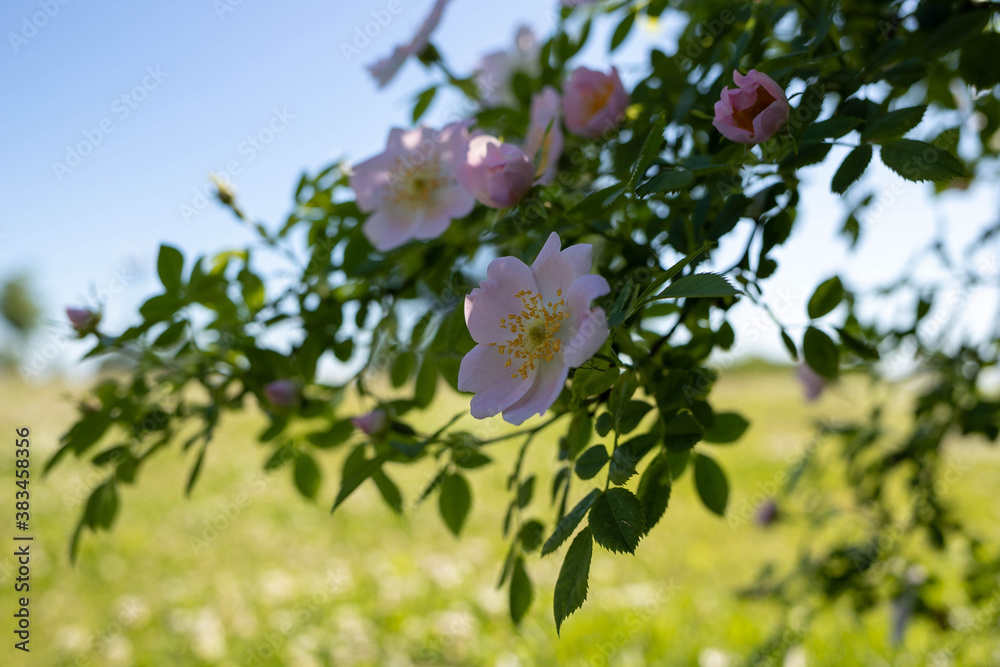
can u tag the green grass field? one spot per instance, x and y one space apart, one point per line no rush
246 572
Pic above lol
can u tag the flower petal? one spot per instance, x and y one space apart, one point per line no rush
548 381
495 300
587 339
482 371
556 270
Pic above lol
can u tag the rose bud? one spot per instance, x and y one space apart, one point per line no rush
496 173
282 393
83 320
371 423
754 111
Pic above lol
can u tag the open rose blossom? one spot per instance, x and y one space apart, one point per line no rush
754 111
593 102
385 70
532 324
496 70
370 423
545 134
282 393
496 173
410 189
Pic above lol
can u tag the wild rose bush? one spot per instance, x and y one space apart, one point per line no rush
545 255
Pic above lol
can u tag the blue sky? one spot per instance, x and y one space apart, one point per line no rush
170 92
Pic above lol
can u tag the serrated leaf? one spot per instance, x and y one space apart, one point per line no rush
851 169
591 462
632 414
571 586
698 285
711 483
893 124
832 128
454 502
569 523
589 382
102 507
978 64
622 467
827 296
920 161
605 422
668 180
821 353
617 521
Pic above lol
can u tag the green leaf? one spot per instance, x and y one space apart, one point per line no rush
531 535
424 100
307 475
622 31
893 124
793 351
698 285
196 469
402 368
711 484
978 64
616 520
569 523
667 180
851 169
605 422
454 502
622 467
581 429
357 470
827 296
919 161
171 335
571 586
521 593
102 507
650 149
389 491
159 308
589 382
858 346
337 434
832 128
632 414
654 490
821 353
169 265
426 386
525 491
591 462
727 427
682 432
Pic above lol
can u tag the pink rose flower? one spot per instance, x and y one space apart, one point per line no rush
754 111
545 111
282 393
495 70
496 173
593 102
410 189
531 325
83 320
385 70
370 423
812 383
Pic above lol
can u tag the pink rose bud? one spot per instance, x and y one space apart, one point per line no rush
767 513
593 102
812 383
83 320
495 173
282 393
371 423
754 111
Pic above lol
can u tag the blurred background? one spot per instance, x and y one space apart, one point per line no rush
117 113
